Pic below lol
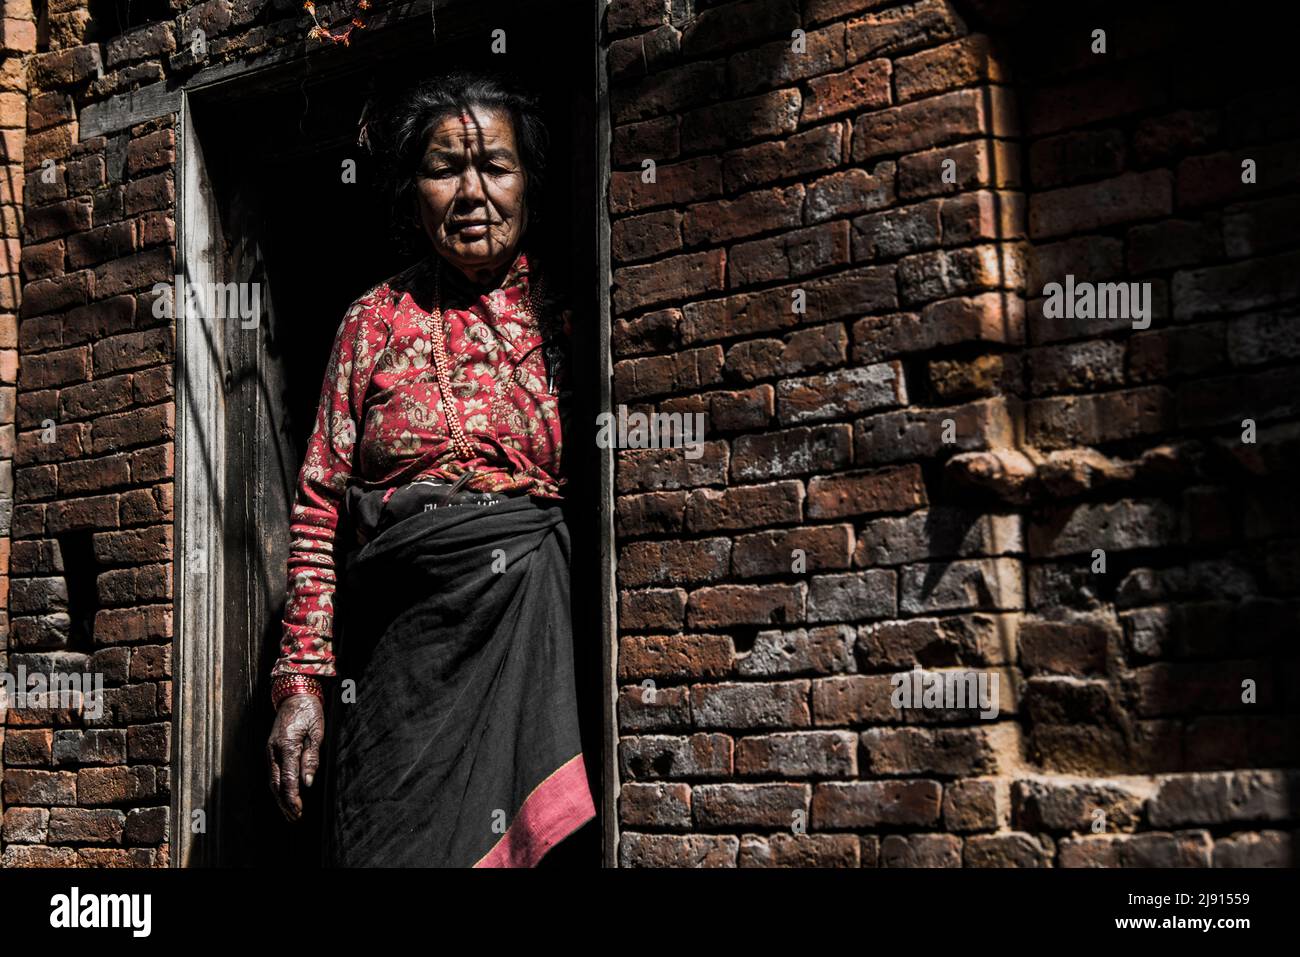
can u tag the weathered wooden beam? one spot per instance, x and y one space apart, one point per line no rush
127 109
124 110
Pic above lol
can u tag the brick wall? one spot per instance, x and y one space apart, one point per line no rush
91 547
17 40
944 457
907 464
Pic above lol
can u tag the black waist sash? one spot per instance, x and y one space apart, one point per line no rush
460 744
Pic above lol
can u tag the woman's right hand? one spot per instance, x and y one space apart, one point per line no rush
294 750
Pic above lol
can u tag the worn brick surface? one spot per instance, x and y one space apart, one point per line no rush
910 460
1013 458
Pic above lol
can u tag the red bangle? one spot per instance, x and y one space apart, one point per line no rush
285 686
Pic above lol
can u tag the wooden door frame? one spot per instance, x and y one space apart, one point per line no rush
198 637
199 633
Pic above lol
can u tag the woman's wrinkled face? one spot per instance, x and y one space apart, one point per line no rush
470 192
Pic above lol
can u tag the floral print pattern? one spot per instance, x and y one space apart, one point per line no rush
380 422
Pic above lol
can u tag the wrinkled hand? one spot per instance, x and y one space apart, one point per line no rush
294 750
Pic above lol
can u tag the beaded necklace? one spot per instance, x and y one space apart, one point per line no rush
501 382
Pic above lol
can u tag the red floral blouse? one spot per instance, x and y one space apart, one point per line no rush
380 422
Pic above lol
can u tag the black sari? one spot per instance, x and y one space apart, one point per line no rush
461 746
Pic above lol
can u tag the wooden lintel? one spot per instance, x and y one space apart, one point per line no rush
124 110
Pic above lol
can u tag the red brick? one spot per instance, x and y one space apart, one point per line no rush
19 855
898 29
819 11
1070 421
684 850
789 255
934 121
839 805
28 748
119 785
118 625
647 708
946 274
817 149
25 825
1008 850
750 805
948 752
94 246
850 191
46 788
665 469
675 184
625 16
140 427
975 806
84 826
644 237
133 586
655 805
675 657
154 151
920 850
150 192
49 109
652 609
790 452
655 375
772 553
131 273
672 563
653 513
977 164
798 755
657 756
984 317
841 394
893 436
760 211
1079 209
863 87
738 24
800 850
744 507
670 280
966 62
725 605
65 67
900 489
41 260
776 64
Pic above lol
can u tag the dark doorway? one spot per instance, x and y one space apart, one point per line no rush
274 146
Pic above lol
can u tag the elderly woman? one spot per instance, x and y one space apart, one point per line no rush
427 523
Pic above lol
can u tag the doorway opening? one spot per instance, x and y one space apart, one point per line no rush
264 199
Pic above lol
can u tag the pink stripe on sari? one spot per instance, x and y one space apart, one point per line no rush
555 809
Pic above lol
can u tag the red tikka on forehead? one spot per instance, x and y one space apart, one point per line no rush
468 123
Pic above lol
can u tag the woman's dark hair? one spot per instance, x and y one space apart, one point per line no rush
397 131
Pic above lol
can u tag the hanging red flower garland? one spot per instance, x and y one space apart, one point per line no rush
324 33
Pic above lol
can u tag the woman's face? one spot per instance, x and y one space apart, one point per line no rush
470 192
